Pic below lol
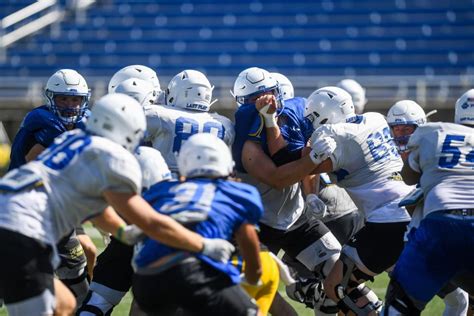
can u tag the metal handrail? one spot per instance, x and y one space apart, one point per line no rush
8 38
26 12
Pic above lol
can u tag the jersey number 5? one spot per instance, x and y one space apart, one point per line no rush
452 152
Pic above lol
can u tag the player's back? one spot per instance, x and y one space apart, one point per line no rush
446 160
367 165
365 151
168 128
214 208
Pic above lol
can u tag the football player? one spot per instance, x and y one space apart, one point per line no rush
286 87
366 163
404 117
187 112
113 271
139 72
275 166
85 170
441 160
325 201
67 97
139 89
214 206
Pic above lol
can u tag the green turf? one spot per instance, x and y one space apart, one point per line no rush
434 308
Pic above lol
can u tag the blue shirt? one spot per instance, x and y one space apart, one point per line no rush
249 125
40 126
217 208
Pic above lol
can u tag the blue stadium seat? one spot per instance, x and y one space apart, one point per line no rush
357 37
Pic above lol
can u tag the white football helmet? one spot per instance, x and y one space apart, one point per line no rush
205 155
286 87
67 82
464 109
140 72
357 93
154 167
191 90
139 89
406 112
329 105
252 82
119 118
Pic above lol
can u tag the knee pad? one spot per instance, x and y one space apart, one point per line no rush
320 251
397 302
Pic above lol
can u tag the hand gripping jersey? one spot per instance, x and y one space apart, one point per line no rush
168 128
211 208
444 155
282 207
40 126
366 163
46 198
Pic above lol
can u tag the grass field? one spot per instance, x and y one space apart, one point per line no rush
435 308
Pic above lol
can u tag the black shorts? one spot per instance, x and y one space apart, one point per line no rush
293 241
25 268
379 245
195 287
346 226
113 268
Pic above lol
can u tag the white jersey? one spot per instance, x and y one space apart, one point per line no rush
64 186
168 128
366 163
444 154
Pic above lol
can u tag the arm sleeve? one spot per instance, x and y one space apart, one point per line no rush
284 156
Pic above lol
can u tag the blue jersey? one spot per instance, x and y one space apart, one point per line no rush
40 126
249 125
212 208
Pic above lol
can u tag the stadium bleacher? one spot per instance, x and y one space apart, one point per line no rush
333 38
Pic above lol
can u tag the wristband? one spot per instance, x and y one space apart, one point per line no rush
119 232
